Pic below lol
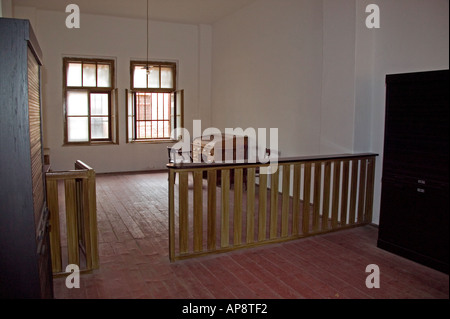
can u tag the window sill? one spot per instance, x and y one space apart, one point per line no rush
90 143
153 141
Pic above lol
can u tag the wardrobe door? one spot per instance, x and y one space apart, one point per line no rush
414 211
37 174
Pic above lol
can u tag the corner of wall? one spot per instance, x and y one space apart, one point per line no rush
6 9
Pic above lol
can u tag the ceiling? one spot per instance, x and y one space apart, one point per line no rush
182 11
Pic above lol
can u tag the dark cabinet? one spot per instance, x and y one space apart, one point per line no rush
25 264
414 211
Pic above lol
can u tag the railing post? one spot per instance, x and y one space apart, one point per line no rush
55 235
92 211
171 215
71 222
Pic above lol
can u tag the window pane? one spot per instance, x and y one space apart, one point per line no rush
99 128
103 75
139 79
148 126
89 75
77 103
155 129
155 106
166 78
160 129
166 129
148 105
166 106
153 77
74 74
77 129
99 104
140 101
141 129
161 106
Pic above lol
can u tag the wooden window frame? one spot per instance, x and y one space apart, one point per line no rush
131 97
112 99
159 64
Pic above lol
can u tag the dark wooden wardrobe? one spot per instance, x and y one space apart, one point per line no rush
414 212
25 265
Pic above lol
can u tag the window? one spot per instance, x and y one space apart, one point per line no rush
154 106
89 96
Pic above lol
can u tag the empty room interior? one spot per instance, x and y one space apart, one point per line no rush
226 149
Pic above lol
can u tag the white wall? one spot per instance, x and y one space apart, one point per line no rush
338 77
267 72
6 9
314 70
123 40
413 36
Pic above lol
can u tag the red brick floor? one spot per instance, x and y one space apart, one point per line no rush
134 263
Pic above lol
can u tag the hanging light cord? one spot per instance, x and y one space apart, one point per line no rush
148 69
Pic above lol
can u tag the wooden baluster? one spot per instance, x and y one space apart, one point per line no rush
317 189
183 213
237 216
225 225
344 197
250 205
353 192
274 181
212 181
326 196
198 211
336 193
296 200
362 191
285 200
262 209
306 198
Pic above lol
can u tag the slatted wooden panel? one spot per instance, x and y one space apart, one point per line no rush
80 216
34 114
295 200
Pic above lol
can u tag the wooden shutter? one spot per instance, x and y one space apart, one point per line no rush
34 114
177 110
114 117
130 116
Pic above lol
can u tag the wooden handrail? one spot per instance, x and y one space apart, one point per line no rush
81 165
304 196
281 160
81 217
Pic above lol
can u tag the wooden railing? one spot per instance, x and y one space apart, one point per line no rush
73 235
209 212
